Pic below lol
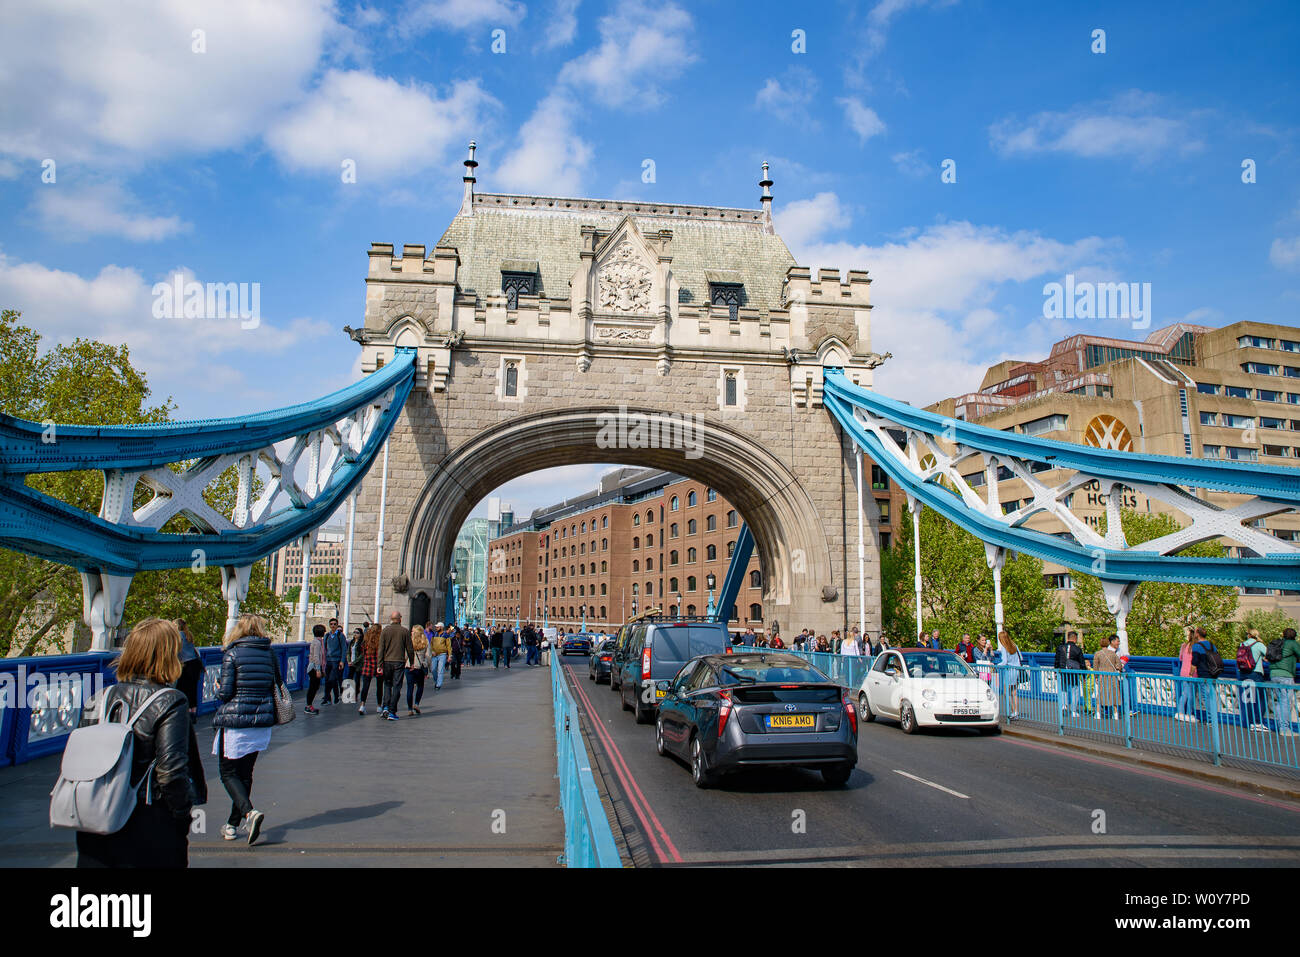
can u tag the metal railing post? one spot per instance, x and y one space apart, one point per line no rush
1213 715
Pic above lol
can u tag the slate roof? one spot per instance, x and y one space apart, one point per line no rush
508 229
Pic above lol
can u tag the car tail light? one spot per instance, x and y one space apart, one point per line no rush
645 662
852 711
724 712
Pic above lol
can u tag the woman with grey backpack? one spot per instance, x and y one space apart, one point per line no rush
163 785
244 719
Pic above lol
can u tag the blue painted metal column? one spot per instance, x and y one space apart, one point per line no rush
735 574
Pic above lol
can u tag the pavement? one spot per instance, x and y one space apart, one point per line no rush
470 782
947 797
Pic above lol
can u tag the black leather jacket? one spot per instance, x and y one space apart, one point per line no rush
244 690
163 734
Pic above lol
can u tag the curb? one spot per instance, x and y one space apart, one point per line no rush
1162 762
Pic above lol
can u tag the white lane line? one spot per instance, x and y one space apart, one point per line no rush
964 797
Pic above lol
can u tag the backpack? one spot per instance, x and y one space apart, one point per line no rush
1273 653
94 792
1245 659
1213 661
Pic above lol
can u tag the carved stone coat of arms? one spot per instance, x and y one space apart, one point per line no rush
624 282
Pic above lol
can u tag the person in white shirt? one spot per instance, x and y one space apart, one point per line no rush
850 645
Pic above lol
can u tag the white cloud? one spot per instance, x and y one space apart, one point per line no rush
803 220
419 17
179 356
550 158
883 14
639 45
562 27
788 99
384 126
935 294
1128 125
104 82
861 118
1285 253
912 163
101 210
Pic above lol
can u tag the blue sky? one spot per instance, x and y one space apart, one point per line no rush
226 164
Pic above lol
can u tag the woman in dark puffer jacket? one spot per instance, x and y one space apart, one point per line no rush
244 719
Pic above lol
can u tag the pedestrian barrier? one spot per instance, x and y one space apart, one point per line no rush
43 699
588 838
1246 724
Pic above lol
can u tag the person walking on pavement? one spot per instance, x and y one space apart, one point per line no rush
1282 672
1186 703
370 669
507 644
1209 668
439 651
315 666
1069 659
244 719
1110 687
457 653
336 651
416 672
966 649
1250 666
1011 664
356 655
397 654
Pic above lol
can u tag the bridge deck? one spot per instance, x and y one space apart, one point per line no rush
339 789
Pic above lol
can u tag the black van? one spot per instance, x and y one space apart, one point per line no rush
655 650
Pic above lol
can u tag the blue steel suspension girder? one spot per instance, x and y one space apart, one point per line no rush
37 524
1127 565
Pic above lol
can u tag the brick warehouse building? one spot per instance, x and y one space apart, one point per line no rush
643 539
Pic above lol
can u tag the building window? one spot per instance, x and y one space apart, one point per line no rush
879 480
604 544
636 565
691 556
672 584
635 588
512 379
729 388
649 541
690 583
755 612
673 505
1209 418
672 530
711 495
1257 342
691 527
732 519
690 500
604 521
649 588
726 294
649 564
731 548
755 579
711 553
1206 388
636 519
672 557
604 567
649 516
711 523
636 542
884 509
690 611
514 283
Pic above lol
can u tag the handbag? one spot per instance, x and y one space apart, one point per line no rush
280 696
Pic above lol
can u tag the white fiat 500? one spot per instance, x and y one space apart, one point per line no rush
922 688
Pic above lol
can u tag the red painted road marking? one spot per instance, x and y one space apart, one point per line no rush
1119 765
630 787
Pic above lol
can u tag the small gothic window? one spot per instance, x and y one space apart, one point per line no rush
513 283
726 294
729 396
512 378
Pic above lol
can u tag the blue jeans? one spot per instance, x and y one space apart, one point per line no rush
1282 703
1250 699
437 669
1186 697
534 656
1069 680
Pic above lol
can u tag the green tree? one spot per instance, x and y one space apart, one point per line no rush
327 588
95 383
957 589
1269 622
1162 611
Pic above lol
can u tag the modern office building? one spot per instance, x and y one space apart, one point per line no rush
1185 391
284 567
645 538
470 559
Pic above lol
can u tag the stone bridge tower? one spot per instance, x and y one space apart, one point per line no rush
542 321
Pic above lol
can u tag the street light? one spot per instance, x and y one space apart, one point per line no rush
712 580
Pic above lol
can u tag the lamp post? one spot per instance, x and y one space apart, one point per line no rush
584 618
633 607
712 580
453 602
680 606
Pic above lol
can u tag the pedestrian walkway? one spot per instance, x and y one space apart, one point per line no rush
471 782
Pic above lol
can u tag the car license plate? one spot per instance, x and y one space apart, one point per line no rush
965 710
659 692
792 720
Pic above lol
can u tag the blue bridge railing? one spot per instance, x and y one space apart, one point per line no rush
588 838
1249 724
43 698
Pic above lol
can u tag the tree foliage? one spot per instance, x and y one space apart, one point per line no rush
1162 611
90 382
957 589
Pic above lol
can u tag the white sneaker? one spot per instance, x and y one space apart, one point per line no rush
361 710
228 833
